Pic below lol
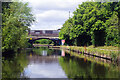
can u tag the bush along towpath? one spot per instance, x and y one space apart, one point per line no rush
110 53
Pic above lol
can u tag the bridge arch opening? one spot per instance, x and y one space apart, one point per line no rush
55 41
44 41
51 40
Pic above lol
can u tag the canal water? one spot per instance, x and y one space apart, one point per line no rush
43 62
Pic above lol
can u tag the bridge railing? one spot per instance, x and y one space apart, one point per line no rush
47 35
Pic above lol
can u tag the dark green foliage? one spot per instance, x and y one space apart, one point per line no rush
93 22
16 18
12 67
98 38
44 41
84 38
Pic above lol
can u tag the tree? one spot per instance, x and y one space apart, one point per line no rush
17 17
94 22
65 31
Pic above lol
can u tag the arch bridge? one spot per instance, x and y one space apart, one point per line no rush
44 34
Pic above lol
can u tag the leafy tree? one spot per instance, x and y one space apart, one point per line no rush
112 37
65 31
93 22
16 17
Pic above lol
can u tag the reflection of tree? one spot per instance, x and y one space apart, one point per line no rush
13 68
80 68
39 50
99 70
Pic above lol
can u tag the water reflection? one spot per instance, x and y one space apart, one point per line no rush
44 53
82 68
44 65
12 67
63 53
53 63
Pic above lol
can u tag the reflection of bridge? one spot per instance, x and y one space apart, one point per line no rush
41 59
44 34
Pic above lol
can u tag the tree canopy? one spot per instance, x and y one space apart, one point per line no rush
16 18
93 23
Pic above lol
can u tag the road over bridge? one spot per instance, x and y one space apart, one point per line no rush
44 34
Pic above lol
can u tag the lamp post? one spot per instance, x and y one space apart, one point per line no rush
69 14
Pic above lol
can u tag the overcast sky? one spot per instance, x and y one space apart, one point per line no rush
51 14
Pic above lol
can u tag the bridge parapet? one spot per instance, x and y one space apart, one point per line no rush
42 37
53 33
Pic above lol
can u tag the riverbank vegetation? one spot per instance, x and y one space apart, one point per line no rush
93 23
106 52
16 19
96 24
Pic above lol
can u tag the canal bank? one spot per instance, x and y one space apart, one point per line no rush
105 52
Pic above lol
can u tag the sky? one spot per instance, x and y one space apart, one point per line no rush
51 14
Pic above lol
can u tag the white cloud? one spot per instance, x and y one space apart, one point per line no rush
52 13
44 70
53 4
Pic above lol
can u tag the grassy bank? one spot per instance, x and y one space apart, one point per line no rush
109 52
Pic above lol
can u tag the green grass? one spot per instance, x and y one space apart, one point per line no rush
106 51
93 59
